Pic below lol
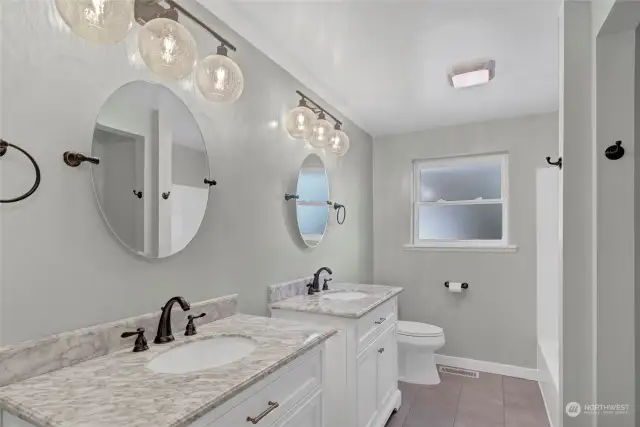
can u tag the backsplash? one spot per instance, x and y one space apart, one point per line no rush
291 289
32 358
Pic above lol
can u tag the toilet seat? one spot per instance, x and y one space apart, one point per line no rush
417 329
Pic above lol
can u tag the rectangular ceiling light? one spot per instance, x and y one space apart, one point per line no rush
475 75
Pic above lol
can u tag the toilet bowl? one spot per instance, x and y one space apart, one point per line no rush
417 343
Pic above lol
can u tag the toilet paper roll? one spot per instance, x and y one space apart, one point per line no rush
455 287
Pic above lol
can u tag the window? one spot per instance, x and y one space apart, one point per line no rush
461 202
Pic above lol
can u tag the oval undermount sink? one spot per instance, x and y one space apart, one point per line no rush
345 296
204 354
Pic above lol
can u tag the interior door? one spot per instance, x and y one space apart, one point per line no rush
387 350
368 386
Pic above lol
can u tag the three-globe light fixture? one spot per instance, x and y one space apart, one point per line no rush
165 45
309 121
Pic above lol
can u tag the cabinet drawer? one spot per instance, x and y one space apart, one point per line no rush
306 414
272 402
373 323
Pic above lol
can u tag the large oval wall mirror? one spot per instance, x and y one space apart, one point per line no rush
153 163
312 210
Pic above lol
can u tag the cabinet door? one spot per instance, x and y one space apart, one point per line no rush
387 352
308 414
368 386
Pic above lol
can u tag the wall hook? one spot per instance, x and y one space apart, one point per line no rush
138 194
558 163
75 159
614 152
210 182
166 195
288 196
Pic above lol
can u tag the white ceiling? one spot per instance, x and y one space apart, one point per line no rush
384 64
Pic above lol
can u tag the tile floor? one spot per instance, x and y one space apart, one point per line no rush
488 401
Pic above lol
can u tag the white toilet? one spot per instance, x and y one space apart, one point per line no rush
416 344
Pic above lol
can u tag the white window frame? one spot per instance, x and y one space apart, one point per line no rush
490 245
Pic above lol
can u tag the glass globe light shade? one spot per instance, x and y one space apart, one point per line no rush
321 130
300 122
99 21
167 48
339 142
219 78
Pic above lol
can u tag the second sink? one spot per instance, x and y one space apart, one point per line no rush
345 296
203 354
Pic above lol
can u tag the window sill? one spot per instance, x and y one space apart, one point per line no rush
466 248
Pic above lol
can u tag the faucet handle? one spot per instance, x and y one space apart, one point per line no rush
141 341
311 290
191 327
325 287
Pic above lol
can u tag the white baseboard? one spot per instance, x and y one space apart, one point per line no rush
549 390
489 367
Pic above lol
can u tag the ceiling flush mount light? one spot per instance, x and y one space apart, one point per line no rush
167 48
309 121
99 21
338 141
300 121
219 78
468 76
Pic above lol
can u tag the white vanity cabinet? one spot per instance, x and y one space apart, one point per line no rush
292 396
361 384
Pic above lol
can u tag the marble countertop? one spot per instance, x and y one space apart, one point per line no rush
118 390
319 304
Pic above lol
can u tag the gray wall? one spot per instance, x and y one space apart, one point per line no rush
62 269
577 220
615 222
495 320
636 198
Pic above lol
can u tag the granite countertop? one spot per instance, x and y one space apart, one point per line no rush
118 390
319 304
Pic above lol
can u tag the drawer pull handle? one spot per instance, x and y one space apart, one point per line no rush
256 420
381 350
382 319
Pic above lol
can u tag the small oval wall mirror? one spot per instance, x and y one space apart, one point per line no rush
153 163
312 210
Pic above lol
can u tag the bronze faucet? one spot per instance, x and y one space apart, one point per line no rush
164 334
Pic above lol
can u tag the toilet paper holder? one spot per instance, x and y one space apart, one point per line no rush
465 285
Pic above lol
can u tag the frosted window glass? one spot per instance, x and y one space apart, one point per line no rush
462 182
460 222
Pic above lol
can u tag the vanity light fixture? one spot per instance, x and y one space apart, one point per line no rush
474 75
99 21
300 121
309 121
219 78
338 141
321 130
167 48
165 45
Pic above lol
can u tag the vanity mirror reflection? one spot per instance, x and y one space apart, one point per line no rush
312 209
150 183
